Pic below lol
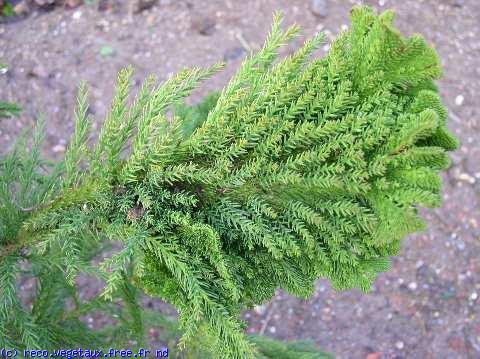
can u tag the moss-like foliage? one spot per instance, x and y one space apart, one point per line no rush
302 168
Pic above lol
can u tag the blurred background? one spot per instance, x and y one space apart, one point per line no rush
427 305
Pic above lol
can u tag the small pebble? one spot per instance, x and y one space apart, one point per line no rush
204 25
72 3
459 100
103 25
234 53
412 286
474 296
272 330
319 7
77 15
260 309
141 5
58 148
38 70
21 8
399 345
465 177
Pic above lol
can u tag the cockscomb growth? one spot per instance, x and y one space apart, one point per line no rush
300 168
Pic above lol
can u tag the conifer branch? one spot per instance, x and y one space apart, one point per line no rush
300 168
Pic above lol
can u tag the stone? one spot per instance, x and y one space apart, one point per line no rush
459 100
21 8
319 7
44 3
39 71
260 309
204 25
234 53
58 148
141 5
77 15
465 177
73 3
106 5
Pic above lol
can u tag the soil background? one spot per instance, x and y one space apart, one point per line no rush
427 305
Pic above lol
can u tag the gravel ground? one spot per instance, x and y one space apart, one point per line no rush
426 306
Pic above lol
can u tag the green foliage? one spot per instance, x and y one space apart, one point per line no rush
7 10
8 109
267 348
298 169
